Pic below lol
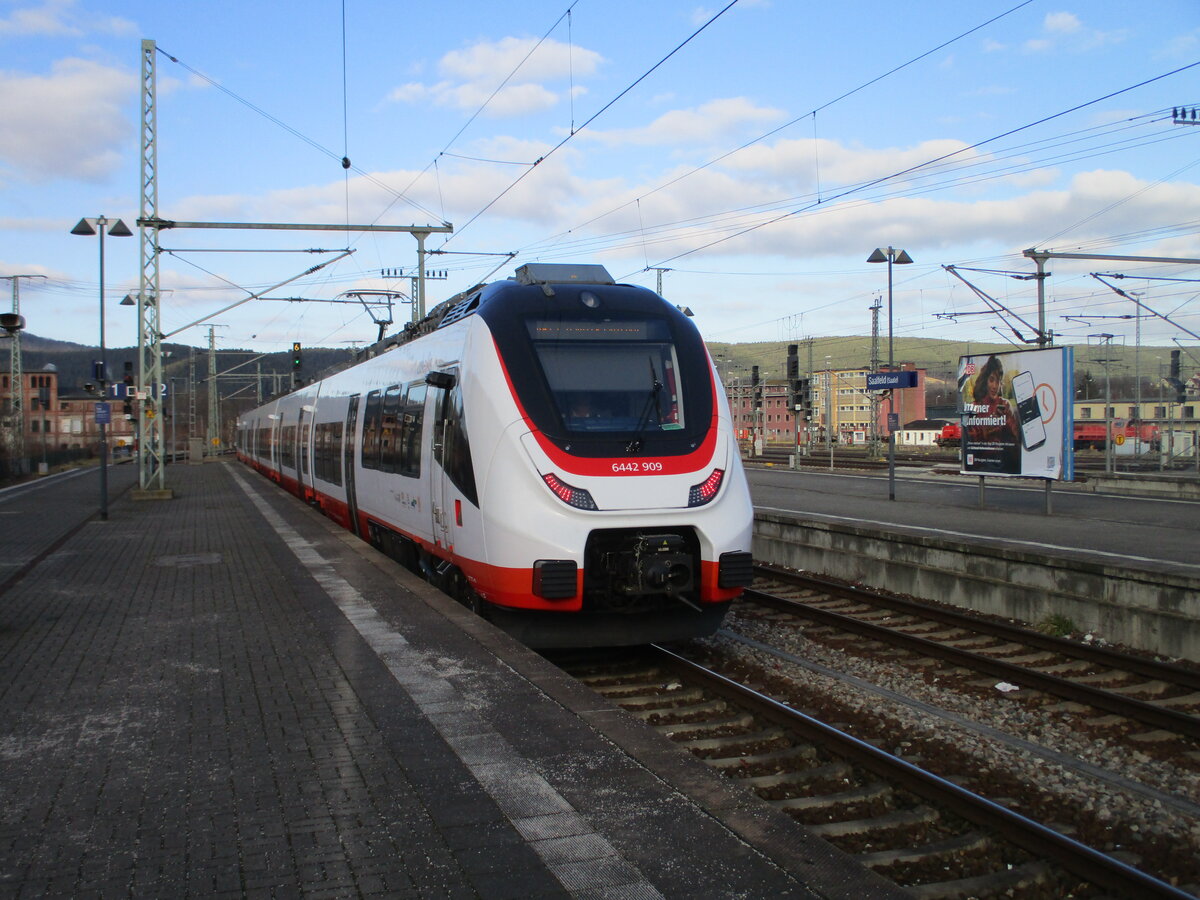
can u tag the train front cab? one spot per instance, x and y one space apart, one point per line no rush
634 476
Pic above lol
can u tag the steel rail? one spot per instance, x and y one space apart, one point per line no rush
1180 723
1150 668
1046 843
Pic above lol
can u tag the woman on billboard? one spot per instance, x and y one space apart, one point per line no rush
991 436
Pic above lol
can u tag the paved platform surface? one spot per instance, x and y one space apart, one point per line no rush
225 695
1152 534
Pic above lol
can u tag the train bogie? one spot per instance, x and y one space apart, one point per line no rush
554 452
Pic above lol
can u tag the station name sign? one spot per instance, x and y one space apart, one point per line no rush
886 381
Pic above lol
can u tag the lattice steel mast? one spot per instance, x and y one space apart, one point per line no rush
150 374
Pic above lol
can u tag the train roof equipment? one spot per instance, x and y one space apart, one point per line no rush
560 273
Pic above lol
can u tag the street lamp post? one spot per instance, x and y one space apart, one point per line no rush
115 227
899 257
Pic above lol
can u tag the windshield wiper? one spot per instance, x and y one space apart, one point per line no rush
656 386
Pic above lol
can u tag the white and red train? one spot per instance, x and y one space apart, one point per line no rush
551 449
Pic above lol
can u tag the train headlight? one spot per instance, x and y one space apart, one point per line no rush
707 489
572 496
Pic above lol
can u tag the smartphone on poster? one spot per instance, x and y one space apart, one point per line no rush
1029 411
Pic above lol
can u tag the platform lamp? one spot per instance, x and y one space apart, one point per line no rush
102 225
890 255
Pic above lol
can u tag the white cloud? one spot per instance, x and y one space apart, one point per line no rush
68 124
737 194
698 211
796 164
471 75
715 119
925 225
412 92
511 100
1064 30
489 62
1061 23
26 224
1180 46
8 269
702 14
550 199
991 90
61 18
51 18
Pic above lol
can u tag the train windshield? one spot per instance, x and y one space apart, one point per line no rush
604 370
610 377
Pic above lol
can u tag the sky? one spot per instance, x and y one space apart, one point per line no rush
748 157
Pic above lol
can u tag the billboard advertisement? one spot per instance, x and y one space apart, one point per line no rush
1017 413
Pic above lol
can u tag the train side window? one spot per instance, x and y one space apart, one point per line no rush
321 450
372 417
318 450
287 447
333 452
318 441
327 451
389 450
454 450
410 431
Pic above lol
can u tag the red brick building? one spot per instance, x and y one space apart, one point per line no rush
54 421
838 399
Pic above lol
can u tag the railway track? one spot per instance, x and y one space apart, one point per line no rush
1163 697
925 833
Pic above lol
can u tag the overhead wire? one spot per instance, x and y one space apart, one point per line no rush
591 119
1067 299
566 14
924 170
484 105
958 175
1019 151
827 104
320 148
945 156
1110 207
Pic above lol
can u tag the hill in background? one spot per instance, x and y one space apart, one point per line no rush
73 362
938 357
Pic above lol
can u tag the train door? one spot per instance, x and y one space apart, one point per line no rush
440 384
303 478
273 444
309 468
451 476
348 444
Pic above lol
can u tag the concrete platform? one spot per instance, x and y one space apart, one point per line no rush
1122 568
223 694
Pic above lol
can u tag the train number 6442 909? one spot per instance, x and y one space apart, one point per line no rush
631 468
